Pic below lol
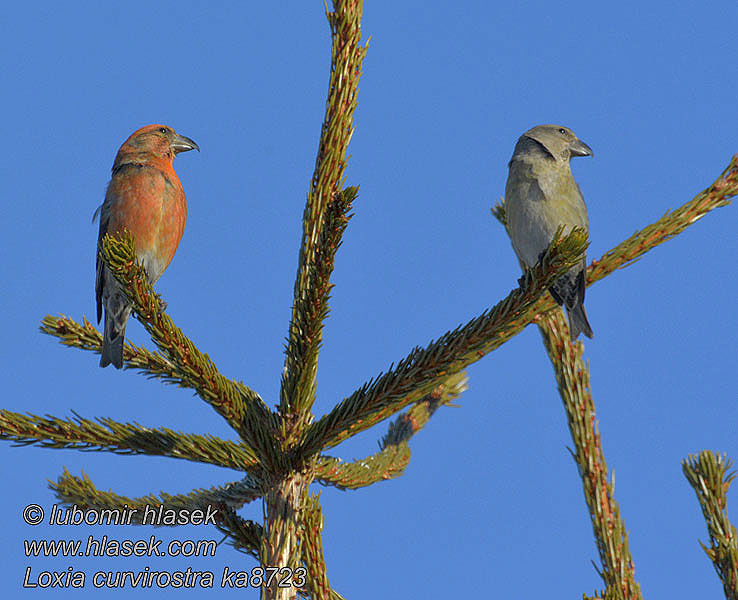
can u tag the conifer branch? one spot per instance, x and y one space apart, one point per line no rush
417 417
283 514
611 536
673 223
241 407
710 475
394 454
299 379
423 369
87 337
310 304
234 494
152 364
108 435
312 548
670 225
572 375
388 463
82 493
244 535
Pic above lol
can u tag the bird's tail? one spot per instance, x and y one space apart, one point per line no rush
578 322
117 312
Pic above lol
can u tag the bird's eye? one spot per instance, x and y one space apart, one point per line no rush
562 130
164 130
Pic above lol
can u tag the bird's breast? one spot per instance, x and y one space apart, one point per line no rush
150 203
537 202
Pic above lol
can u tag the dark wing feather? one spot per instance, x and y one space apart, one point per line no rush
568 290
99 265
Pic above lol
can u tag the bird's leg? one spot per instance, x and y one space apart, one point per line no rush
162 304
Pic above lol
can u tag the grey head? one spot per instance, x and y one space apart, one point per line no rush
557 141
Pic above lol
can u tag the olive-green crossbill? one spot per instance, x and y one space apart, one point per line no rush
541 195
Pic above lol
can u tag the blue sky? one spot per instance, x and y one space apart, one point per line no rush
491 503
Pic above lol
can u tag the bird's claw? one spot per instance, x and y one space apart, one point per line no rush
162 304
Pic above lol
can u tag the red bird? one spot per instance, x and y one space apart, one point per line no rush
146 198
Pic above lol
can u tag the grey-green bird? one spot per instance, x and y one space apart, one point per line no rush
541 195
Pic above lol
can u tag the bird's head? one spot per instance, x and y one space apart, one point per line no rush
560 142
157 140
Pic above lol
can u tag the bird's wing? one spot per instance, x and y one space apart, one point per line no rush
104 213
568 290
527 211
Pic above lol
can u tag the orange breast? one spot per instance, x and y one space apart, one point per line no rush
150 203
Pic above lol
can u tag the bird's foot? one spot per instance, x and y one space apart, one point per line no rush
162 304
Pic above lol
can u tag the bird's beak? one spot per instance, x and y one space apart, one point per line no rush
579 148
182 144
